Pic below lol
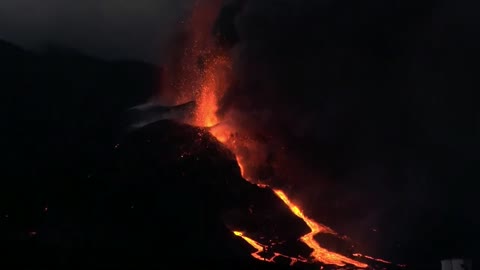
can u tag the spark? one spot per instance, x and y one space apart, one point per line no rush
209 83
205 115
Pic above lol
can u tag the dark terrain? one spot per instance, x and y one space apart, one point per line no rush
76 190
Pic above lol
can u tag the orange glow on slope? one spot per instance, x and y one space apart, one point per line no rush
210 91
200 71
319 254
260 248
252 243
205 115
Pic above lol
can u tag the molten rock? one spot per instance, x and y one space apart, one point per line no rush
165 199
172 195
195 182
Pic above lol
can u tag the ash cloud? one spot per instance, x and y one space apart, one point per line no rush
374 101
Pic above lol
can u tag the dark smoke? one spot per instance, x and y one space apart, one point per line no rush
374 102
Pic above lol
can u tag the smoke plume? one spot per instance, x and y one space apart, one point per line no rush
365 109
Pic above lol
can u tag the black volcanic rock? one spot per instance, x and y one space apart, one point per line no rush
59 111
69 197
197 184
161 199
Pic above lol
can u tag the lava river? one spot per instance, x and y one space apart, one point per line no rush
206 84
207 97
319 253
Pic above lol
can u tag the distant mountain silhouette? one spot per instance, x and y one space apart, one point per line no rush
61 104
59 111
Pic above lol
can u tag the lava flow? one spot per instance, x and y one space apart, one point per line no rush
319 253
205 116
260 249
202 73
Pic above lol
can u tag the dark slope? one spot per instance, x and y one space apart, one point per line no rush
70 197
58 110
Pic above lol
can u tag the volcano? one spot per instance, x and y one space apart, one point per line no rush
185 192
233 191
304 128
172 194
169 193
204 198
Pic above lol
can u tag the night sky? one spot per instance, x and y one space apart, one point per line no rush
110 29
377 99
374 102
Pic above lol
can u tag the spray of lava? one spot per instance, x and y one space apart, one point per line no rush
202 73
210 89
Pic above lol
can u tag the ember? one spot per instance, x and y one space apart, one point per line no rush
204 77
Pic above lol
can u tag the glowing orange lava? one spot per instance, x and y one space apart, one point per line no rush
215 79
200 71
320 254
205 116
260 248
253 243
